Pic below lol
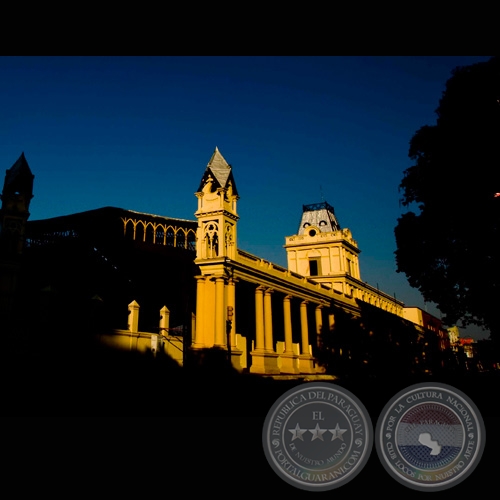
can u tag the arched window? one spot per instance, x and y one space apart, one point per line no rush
181 239
139 231
211 239
170 237
191 237
129 229
160 235
149 233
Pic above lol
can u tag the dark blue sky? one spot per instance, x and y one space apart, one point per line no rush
137 133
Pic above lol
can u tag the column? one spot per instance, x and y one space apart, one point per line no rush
319 324
193 327
236 353
287 313
304 328
289 361
220 313
264 360
305 359
268 321
199 339
259 318
209 313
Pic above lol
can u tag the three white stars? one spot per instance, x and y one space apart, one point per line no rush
317 433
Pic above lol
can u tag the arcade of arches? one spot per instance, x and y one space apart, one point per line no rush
158 233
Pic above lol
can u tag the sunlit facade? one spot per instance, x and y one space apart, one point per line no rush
187 285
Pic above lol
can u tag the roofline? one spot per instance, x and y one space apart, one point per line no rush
107 209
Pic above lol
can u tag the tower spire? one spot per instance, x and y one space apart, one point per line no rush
220 171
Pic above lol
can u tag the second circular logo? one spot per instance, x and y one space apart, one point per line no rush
430 436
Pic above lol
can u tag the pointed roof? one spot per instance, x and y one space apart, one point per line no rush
219 167
320 215
19 177
220 170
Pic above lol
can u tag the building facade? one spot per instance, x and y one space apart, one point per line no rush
189 288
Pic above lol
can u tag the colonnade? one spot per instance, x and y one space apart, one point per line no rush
264 357
215 294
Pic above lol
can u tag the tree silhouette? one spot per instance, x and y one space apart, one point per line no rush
449 246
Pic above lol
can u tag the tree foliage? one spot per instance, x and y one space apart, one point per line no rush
448 243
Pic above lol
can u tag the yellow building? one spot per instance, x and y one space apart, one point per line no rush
291 307
267 319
